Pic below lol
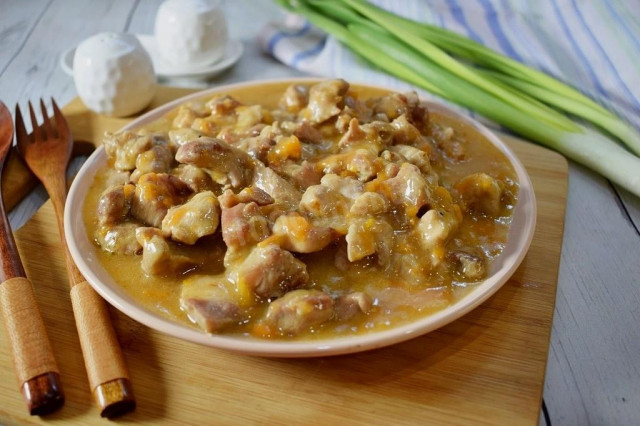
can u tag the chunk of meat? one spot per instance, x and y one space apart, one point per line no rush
157 257
404 131
225 164
118 238
434 229
298 311
222 105
470 266
480 192
393 105
269 272
307 133
324 202
294 98
413 155
196 218
179 137
243 225
363 164
302 175
369 203
349 305
349 187
228 199
257 147
326 100
408 189
369 236
158 159
294 232
249 116
194 177
276 186
186 115
155 193
211 302
114 204
124 148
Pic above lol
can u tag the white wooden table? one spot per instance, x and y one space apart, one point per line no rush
593 372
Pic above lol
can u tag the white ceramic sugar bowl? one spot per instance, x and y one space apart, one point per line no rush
190 33
114 74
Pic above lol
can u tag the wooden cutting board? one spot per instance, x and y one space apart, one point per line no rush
487 367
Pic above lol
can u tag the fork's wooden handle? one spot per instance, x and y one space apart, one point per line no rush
35 366
108 376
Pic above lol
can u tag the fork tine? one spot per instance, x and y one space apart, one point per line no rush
21 132
46 121
61 122
37 136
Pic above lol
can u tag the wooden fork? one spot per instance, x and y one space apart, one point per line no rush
47 151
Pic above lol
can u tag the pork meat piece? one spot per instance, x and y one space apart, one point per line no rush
480 192
369 236
222 105
294 98
257 147
243 225
413 155
251 193
119 238
196 218
210 302
299 310
404 131
349 305
276 186
302 175
179 137
326 100
124 148
369 203
307 133
269 271
393 105
155 193
408 189
195 178
186 115
296 233
363 164
349 187
157 256
225 164
158 159
435 228
114 204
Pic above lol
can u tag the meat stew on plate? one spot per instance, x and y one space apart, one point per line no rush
301 212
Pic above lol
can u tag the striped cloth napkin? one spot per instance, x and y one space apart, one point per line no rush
593 45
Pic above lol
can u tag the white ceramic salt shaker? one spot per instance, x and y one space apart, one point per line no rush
190 33
114 74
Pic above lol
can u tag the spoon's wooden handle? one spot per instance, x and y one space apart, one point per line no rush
108 376
35 366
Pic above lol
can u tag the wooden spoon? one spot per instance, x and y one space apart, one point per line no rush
33 359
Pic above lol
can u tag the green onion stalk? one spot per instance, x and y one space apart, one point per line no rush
525 100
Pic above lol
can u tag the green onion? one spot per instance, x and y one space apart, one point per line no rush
508 92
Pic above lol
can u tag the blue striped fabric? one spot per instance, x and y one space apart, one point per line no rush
593 45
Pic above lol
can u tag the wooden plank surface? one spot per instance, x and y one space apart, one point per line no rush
487 367
583 383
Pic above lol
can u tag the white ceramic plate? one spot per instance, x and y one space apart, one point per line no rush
83 252
232 53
